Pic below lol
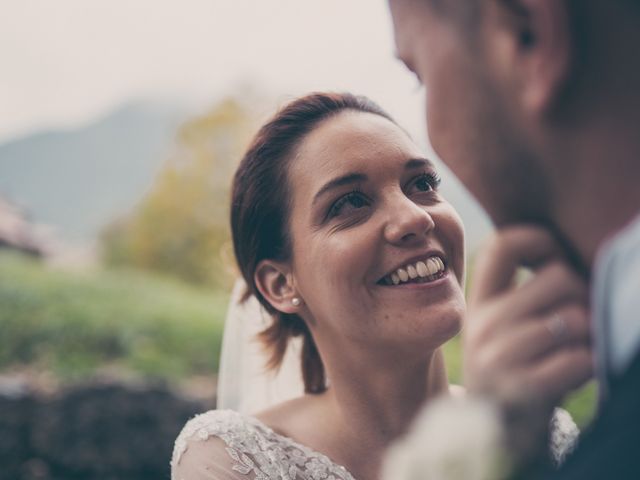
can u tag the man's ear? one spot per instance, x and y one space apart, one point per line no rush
275 283
536 49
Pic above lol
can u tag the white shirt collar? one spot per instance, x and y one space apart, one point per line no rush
616 302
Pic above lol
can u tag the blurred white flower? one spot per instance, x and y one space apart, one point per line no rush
453 438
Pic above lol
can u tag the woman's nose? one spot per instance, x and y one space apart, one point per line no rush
407 223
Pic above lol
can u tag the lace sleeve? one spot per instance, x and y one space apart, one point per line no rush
207 460
208 448
226 445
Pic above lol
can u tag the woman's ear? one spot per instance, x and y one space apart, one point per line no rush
275 282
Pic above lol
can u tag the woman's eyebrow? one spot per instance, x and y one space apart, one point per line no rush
351 178
418 163
341 181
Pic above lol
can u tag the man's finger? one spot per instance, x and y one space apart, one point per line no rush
553 284
565 371
538 336
510 248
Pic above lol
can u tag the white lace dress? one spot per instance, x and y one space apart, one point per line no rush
226 445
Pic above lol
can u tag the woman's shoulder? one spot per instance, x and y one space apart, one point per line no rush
227 445
288 416
229 426
218 444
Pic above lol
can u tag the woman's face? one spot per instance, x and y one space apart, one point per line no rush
377 252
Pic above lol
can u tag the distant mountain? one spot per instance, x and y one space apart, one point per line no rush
78 180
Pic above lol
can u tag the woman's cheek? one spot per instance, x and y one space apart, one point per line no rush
347 255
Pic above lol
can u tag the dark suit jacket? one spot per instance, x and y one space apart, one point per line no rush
610 449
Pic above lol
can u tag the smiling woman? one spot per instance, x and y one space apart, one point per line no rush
259 218
342 235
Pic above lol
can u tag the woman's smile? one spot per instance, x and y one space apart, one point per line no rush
424 269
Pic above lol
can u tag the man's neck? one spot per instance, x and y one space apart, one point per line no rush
603 193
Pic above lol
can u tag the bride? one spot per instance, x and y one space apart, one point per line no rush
341 234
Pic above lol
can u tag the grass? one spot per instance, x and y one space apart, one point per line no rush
73 324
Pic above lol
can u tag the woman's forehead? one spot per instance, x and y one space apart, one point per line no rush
352 141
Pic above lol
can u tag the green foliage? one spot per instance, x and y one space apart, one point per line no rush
182 226
582 404
453 358
71 324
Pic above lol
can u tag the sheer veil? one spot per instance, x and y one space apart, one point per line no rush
244 383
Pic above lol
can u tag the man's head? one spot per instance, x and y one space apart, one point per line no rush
520 93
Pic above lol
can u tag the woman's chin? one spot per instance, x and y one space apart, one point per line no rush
440 297
426 330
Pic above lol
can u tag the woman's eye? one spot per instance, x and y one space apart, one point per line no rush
423 185
426 182
349 202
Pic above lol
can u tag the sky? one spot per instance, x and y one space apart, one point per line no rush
65 62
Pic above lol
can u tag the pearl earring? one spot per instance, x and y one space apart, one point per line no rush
295 301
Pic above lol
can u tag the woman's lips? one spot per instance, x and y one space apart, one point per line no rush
422 271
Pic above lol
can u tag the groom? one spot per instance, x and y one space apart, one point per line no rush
535 105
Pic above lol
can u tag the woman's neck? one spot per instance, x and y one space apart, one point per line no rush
374 405
387 396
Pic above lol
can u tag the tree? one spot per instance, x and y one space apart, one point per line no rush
182 226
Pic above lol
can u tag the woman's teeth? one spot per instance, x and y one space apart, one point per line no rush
430 269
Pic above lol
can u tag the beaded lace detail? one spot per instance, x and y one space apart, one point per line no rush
259 452
256 449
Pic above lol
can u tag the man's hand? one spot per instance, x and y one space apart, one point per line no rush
526 346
